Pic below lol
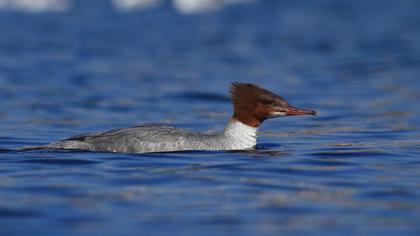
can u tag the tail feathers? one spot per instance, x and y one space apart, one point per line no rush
62 145
42 147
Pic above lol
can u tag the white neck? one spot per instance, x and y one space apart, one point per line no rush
240 136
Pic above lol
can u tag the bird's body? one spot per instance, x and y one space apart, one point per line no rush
161 138
252 105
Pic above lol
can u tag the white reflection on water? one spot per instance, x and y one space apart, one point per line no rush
182 6
126 5
37 5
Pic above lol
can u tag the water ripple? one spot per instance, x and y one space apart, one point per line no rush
352 154
59 161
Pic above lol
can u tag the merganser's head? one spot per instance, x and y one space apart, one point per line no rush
253 104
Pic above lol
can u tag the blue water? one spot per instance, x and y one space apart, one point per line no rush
354 169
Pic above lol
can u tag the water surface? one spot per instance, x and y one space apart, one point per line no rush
354 169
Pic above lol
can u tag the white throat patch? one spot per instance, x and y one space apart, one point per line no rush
240 136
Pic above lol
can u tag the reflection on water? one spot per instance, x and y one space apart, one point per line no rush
182 6
353 169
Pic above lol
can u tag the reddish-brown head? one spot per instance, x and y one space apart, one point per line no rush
252 105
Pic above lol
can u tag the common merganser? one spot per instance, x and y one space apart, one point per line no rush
252 105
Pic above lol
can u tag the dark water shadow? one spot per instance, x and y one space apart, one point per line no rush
17 213
2 150
389 194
